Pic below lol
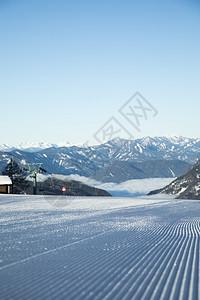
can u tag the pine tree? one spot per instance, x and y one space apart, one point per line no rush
17 176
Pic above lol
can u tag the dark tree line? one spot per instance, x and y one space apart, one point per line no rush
17 175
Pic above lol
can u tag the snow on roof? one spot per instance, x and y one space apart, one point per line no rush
4 180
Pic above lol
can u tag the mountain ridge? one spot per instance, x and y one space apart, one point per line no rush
38 146
90 160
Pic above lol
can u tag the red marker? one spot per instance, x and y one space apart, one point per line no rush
64 190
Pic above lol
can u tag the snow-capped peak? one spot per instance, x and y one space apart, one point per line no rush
34 146
6 147
146 141
176 139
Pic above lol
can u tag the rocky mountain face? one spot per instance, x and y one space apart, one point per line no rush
103 161
186 186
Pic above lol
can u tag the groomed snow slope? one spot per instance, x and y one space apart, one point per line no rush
99 248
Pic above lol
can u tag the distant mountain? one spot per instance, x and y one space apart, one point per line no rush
186 186
120 171
93 161
165 147
6 147
33 146
147 148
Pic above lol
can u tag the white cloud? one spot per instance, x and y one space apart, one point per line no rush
133 187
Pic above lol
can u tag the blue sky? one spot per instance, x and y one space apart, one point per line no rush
67 67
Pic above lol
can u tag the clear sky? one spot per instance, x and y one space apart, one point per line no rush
67 67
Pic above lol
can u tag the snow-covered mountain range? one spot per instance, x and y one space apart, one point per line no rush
91 161
170 143
33 146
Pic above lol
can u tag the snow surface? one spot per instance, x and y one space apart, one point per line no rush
99 248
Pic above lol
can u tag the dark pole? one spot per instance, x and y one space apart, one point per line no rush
12 184
32 169
12 188
35 184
